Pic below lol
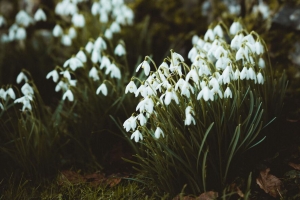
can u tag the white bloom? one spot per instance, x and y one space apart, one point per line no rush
169 95
145 65
2 94
20 34
130 123
61 85
25 100
103 17
78 20
218 31
89 47
261 63
103 89
66 40
120 50
236 42
158 132
115 71
23 18
251 74
193 75
209 35
10 92
54 75
244 74
192 55
21 77
108 34
236 75
186 88
131 87
81 56
69 95
95 8
27 90
57 31
259 48
188 116
260 78
235 27
137 136
40 15
146 105
115 27
206 94
73 63
105 62
72 33
2 21
100 44
227 93
142 119
96 57
142 90
93 73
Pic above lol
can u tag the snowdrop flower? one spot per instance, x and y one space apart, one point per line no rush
25 100
145 65
169 95
193 75
103 17
68 95
72 33
137 136
23 18
95 8
158 133
66 40
115 71
89 46
131 87
244 74
66 74
251 74
259 48
105 62
10 92
146 105
130 123
20 34
81 56
103 89
2 94
96 57
261 63
206 94
192 55
120 50
61 85
188 116
235 27
21 77
57 31
186 88
236 42
73 63
2 21
93 73
209 35
141 90
142 119
236 75
27 90
100 44
78 20
54 75
1 106
40 15
260 78
218 31
115 27
108 34
227 93
195 39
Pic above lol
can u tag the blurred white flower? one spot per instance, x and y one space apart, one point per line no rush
81 56
103 89
72 33
235 28
89 46
73 63
78 20
20 34
10 92
25 100
131 87
120 50
68 95
27 90
227 93
23 18
54 75
2 21
158 133
57 31
206 94
137 136
40 15
108 34
145 65
66 40
130 123
115 27
21 77
260 78
209 35
93 73
188 116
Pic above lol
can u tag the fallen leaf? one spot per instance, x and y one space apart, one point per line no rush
208 196
295 166
269 183
72 177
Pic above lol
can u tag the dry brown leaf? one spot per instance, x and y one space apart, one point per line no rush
208 196
269 183
295 166
72 177
239 192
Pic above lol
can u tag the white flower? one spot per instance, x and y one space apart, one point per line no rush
142 119
206 94
10 92
21 77
57 31
96 57
244 74
260 78
93 73
2 21
89 46
72 32
54 75
66 40
235 27
218 31
158 132
73 63
108 34
2 94
130 123
23 18
115 27
20 33
120 50
259 48
105 62
227 93
145 65
115 71
40 15
169 95
236 42
188 116
81 56
131 87
261 63
146 105
95 8
186 88
251 74
137 136
103 89
142 90
78 20
27 90
25 100
209 35
61 85
69 95
100 44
